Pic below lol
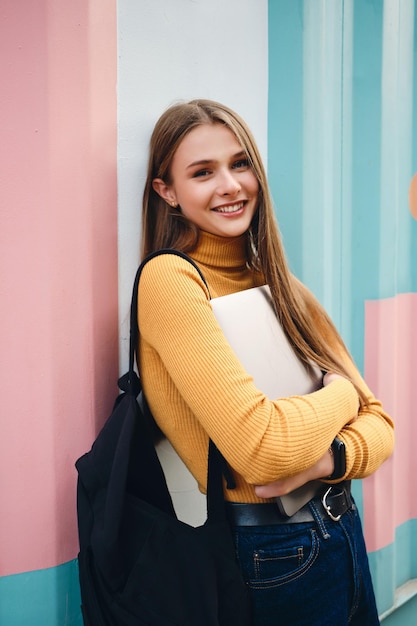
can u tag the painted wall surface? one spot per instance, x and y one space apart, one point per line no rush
58 286
342 154
329 89
172 51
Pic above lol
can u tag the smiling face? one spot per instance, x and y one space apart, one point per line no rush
212 182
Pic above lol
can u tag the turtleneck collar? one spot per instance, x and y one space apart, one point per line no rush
215 251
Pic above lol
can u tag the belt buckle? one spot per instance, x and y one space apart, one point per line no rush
327 508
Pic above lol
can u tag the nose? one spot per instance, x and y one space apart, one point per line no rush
228 184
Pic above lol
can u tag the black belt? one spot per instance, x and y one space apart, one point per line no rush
333 503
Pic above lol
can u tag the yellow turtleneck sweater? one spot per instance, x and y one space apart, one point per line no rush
196 387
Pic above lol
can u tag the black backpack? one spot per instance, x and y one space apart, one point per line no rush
138 564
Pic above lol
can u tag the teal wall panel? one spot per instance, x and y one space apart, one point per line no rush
397 586
49 597
414 155
366 125
342 149
285 138
406 547
383 576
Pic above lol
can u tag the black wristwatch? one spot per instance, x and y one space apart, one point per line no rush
339 456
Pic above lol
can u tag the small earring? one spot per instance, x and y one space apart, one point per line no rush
173 204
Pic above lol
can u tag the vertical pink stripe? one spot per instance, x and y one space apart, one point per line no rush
390 370
59 265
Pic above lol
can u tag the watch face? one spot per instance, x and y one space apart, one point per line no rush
339 455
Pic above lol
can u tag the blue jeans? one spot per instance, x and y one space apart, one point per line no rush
309 574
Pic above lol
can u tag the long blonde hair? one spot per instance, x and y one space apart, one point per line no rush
305 322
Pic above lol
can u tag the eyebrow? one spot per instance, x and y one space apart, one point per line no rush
207 161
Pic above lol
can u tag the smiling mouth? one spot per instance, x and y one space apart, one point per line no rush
230 208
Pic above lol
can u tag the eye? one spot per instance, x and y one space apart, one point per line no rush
201 173
241 164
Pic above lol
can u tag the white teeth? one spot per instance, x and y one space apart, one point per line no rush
229 209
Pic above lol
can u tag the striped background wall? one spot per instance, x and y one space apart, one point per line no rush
342 153
329 88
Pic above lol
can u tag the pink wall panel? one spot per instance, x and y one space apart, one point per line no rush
58 280
390 370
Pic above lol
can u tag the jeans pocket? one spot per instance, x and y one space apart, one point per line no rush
283 562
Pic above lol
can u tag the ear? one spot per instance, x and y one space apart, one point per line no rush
165 191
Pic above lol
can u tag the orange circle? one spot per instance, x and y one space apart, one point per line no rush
412 196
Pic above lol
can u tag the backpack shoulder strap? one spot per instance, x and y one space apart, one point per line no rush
217 464
134 330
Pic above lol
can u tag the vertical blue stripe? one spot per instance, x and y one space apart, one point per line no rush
414 158
396 147
285 121
366 133
322 152
310 148
345 252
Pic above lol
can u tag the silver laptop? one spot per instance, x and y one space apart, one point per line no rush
249 324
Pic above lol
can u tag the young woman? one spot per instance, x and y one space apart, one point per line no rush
207 194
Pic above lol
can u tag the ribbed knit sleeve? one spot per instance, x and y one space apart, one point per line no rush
196 388
369 439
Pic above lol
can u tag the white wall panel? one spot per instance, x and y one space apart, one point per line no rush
173 50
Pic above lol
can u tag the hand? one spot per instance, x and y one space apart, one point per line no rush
329 377
322 469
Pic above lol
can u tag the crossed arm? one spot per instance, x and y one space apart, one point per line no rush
323 468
